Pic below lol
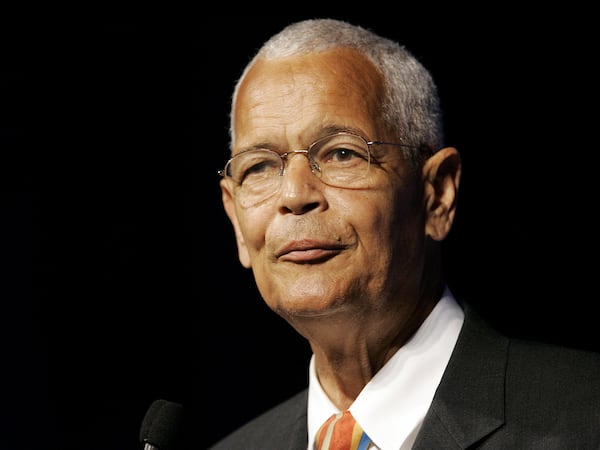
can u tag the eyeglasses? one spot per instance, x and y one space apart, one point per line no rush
340 160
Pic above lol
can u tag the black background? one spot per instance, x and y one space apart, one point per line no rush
121 283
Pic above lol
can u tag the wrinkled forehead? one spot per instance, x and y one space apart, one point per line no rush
335 87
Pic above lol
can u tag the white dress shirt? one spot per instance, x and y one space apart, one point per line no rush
391 407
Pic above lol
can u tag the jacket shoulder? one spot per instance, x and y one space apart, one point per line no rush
281 427
553 371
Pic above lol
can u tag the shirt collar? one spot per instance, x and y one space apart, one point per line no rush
391 407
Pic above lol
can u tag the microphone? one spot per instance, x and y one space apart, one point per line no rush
162 426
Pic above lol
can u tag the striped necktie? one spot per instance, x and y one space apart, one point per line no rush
341 432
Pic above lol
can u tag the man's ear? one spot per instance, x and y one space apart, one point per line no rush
441 175
228 204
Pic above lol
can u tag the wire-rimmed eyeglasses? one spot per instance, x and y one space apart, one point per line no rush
341 160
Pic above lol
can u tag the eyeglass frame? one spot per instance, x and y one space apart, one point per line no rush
306 151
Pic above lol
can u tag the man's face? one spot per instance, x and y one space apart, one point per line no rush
315 249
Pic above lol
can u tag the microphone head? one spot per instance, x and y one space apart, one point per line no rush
162 425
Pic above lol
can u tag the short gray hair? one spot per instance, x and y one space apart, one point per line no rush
411 104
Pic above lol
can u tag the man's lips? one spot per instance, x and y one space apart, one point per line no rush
308 251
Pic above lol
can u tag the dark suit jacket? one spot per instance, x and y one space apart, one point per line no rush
496 393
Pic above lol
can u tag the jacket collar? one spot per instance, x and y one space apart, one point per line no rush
469 402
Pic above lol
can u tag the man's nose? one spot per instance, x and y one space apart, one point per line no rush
297 161
300 188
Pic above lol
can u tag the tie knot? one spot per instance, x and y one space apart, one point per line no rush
341 432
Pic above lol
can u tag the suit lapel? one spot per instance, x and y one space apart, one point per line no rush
291 429
469 402
298 432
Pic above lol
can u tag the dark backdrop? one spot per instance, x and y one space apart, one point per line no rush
133 291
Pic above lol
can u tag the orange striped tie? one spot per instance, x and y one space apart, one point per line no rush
341 432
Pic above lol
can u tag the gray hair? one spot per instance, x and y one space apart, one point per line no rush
411 102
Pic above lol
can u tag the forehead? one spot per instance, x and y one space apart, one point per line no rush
297 95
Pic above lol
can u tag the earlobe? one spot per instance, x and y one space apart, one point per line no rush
441 175
228 204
